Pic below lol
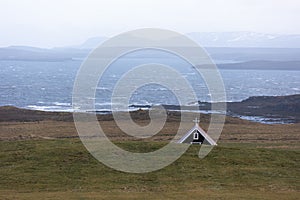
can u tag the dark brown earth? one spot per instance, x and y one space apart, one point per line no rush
283 108
21 124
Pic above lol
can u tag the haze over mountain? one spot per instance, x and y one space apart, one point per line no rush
225 39
245 39
91 43
253 50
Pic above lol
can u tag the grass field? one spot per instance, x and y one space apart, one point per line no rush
41 157
63 169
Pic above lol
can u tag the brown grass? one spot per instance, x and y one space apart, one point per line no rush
235 130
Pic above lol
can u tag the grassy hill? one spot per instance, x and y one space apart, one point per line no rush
41 157
63 169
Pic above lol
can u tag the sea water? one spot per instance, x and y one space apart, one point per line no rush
48 86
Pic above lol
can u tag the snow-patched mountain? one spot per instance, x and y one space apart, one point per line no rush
223 47
245 39
224 39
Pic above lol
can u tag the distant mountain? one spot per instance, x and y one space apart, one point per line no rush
245 54
31 53
28 48
245 39
263 65
226 47
224 39
91 43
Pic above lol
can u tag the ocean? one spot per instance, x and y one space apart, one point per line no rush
48 86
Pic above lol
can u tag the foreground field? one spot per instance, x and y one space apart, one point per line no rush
63 169
41 157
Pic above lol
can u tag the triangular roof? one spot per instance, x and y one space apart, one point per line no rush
201 131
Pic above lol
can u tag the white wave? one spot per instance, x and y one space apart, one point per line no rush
101 88
107 104
61 104
49 108
200 111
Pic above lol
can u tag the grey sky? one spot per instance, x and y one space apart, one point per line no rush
50 23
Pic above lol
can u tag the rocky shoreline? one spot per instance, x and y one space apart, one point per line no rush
264 109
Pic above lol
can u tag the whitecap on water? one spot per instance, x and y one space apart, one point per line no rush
61 104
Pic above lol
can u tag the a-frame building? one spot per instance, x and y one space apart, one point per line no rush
197 136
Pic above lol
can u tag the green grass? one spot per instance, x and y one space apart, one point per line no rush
63 169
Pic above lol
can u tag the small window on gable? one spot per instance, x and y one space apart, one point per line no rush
196 136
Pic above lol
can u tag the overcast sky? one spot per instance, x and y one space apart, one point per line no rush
50 23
